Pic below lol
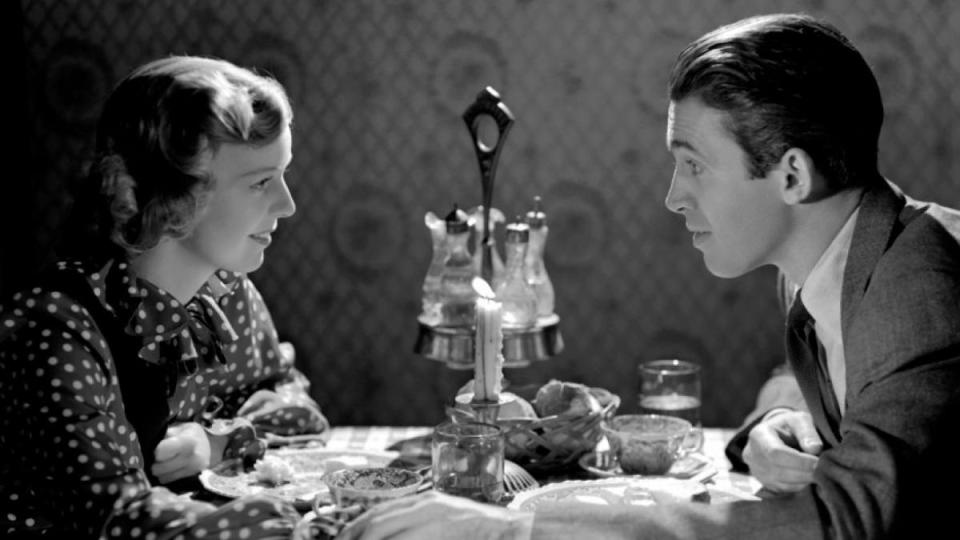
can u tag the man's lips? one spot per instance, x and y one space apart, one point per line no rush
698 235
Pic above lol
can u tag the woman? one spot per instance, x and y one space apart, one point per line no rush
108 364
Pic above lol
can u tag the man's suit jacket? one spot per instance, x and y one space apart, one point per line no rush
890 466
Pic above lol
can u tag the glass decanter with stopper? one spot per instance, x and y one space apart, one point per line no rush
537 275
430 313
457 296
517 296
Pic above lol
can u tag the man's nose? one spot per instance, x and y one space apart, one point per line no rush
677 197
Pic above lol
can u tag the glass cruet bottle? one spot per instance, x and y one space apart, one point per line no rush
457 296
537 275
517 296
431 283
476 220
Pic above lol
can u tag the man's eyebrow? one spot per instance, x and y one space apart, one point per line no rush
681 143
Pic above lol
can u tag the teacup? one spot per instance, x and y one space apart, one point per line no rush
646 443
370 485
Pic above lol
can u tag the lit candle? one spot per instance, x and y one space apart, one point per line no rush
487 369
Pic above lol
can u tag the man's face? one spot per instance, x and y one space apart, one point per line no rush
738 222
249 196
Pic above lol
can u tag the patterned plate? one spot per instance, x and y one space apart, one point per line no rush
631 490
612 491
308 464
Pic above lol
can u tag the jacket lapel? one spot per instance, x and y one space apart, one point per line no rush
875 229
878 225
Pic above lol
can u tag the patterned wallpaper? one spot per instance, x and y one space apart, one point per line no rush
378 89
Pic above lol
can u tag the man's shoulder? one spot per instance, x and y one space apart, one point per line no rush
927 237
912 296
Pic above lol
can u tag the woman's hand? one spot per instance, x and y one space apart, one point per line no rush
261 402
186 450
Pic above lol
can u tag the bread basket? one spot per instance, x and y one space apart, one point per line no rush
553 442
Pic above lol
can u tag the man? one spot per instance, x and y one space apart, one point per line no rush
774 124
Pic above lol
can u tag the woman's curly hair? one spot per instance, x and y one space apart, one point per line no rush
157 130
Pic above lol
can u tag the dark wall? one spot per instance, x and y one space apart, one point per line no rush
379 87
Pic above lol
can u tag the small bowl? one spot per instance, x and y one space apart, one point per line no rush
646 443
370 485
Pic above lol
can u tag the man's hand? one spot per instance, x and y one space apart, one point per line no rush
782 451
186 450
438 516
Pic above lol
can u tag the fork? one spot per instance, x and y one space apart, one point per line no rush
516 478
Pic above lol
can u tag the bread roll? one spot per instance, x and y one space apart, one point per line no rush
572 399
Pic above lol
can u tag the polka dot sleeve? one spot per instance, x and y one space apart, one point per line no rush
262 384
70 462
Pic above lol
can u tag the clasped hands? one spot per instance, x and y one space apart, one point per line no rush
782 451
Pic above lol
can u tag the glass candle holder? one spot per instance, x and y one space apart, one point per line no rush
468 460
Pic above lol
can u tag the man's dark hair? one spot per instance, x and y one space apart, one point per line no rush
788 81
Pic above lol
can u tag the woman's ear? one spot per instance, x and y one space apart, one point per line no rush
797 176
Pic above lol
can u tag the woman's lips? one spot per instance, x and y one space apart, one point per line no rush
262 238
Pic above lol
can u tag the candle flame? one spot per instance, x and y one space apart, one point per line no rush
483 288
603 445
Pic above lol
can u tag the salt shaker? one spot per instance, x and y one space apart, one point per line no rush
536 270
457 296
517 296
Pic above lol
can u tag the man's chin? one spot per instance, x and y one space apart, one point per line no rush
723 269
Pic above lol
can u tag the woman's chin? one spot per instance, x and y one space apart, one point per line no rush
245 267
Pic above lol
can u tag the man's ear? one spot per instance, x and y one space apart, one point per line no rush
796 176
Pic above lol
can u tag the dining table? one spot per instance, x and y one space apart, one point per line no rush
410 447
409 441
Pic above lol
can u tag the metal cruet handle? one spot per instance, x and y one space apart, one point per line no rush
487 102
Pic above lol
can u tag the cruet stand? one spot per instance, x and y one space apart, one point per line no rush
455 345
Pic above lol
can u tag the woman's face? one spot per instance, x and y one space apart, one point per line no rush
249 196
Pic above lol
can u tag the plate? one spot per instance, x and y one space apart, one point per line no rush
629 490
692 466
309 465
636 491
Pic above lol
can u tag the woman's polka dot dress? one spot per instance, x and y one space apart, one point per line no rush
74 429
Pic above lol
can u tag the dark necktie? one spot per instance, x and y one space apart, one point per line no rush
809 361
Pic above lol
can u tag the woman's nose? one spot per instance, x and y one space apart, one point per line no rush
284 205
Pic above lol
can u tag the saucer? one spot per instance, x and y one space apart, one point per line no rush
691 466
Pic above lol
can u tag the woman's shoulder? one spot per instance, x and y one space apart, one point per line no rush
65 298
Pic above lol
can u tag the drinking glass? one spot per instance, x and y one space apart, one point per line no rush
672 387
468 460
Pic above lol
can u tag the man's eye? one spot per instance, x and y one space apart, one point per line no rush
694 167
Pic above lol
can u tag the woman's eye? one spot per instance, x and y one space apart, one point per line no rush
694 167
261 185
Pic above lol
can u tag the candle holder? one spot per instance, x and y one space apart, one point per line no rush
455 345
484 410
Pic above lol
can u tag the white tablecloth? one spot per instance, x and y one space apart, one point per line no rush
374 438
